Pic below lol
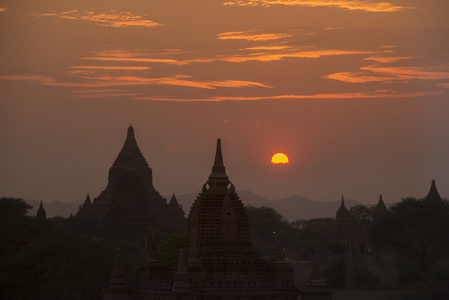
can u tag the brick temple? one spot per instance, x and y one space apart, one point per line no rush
130 205
348 231
218 260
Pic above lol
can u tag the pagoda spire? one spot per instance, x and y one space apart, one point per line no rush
316 286
433 194
87 203
316 279
130 152
181 284
218 176
174 201
218 162
41 214
117 288
343 215
381 207
218 169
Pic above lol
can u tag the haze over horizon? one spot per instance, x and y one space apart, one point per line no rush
354 92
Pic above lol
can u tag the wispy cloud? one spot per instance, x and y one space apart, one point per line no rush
116 81
251 36
130 68
3 9
138 52
109 19
386 59
444 85
135 59
269 48
388 74
364 5
103 93
266 57
262 54
379 94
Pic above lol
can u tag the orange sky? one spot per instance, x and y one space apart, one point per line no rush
355 93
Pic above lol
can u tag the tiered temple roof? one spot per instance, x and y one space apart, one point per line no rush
130 204
218 261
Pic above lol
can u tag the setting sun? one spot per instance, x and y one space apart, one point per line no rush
279 158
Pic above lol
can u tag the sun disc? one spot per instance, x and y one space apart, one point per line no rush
279 158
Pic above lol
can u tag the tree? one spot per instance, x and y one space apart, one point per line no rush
362 214
415 229
362 278
265 223
335 273
16 227
311 236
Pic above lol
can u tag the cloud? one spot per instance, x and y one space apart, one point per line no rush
135 59
130 68
269 48
380 59
444 85
266 57
379 94
138 52
275 53
388 74
108 19
116 81
3 9
247 35
363 5
103 93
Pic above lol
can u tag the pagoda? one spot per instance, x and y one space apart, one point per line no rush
41 214
433 195
218 260
348 231
130 205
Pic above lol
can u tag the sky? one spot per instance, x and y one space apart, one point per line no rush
355 92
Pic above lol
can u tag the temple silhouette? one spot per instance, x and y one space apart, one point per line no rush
345 229
218 260
130 205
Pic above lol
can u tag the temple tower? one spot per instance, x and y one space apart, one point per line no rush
348 231
221 260
381 207
130 204
433 194
41 214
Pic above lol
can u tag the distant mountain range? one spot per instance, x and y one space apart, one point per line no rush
292 208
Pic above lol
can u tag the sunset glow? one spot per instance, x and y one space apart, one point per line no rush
356 90
279 158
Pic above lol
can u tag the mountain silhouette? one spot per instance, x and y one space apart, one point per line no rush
291 208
